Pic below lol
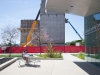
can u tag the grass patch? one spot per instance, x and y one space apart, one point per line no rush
74 55
12 55
94 56
55 55
80 55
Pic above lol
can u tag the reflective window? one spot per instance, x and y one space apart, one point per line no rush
97 16
92 39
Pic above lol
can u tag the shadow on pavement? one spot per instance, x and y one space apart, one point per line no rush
30 65
21 66
89 68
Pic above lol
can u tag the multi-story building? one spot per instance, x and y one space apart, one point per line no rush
90 10
25 28
52 22
92 38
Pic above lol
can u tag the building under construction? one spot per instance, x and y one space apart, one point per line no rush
25 28
53 22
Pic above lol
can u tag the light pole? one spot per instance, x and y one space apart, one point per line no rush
39 40
10 47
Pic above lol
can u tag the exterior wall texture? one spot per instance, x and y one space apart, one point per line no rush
54 23
25 27
92 39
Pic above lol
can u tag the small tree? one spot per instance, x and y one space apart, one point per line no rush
43 37
9 35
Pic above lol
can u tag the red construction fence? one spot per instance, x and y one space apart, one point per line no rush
64 49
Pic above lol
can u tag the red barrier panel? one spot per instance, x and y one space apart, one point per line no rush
1 51
60 48
74 49
66 49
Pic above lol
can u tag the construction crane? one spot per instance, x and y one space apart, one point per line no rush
28 38
66 21
30 42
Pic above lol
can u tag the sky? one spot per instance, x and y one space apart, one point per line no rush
12 11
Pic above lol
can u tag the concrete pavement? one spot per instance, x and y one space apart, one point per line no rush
69 66
89 68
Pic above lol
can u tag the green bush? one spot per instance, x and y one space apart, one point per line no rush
55 55
95 56
51 52
81 55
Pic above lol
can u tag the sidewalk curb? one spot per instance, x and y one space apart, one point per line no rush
4 65
49 58
46 58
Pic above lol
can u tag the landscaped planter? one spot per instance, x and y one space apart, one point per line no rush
49 58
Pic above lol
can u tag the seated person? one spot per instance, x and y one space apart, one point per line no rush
25 56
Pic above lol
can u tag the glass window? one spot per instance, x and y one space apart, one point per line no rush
97 16
92 39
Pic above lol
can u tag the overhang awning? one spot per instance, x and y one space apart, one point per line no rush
77 7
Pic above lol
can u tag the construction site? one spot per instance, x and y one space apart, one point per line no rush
53 24
45 34
46 28
53 19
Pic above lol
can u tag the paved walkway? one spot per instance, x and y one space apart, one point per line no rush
69 66
69 57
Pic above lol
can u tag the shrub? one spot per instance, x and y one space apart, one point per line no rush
52 53
81 55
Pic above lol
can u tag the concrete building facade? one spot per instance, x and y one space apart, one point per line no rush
52 22
25 28
90 10
92 38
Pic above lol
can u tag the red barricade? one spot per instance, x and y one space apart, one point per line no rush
37 49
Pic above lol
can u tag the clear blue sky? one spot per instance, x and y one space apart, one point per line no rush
12 11
78 23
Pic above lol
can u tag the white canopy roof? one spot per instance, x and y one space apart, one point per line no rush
77 7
